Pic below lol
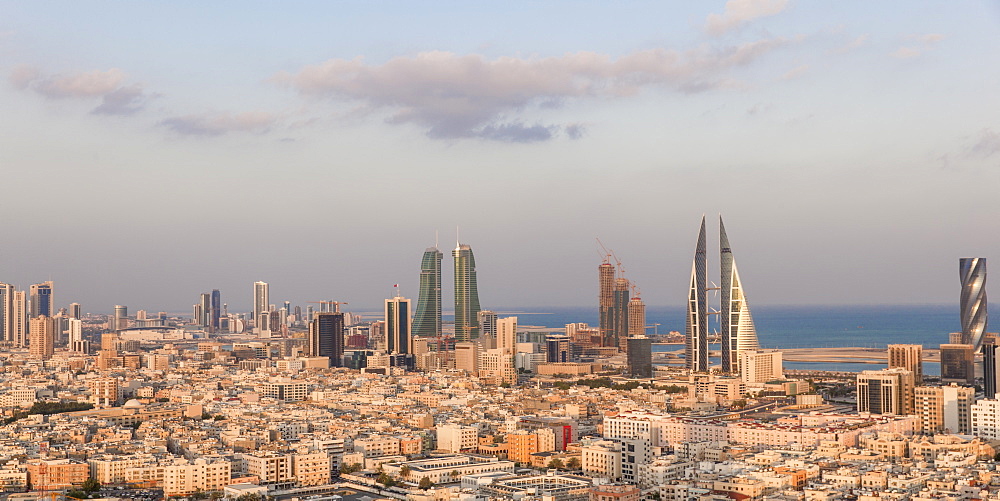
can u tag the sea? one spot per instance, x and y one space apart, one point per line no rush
869 326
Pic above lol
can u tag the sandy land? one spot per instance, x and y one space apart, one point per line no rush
833 355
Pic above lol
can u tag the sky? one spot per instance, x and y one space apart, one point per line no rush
151 151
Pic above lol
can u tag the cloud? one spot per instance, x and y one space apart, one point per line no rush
926 43
575 131
217 124
739 12
857 43
468 96
116 98
795 72
905 53
988 143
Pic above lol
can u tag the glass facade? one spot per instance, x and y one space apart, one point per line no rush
427 320
466 294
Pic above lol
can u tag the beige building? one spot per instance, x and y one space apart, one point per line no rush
467 357
57 474
104 390
909 357
942 408
311 469
456 438
760 366
888 391
200 475
497 366
42 337
270 467
507 334
522 444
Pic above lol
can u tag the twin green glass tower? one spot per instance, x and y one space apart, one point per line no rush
427 320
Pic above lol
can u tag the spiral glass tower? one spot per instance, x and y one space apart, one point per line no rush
972 272
427 320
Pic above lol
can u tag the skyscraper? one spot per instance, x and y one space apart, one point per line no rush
397 325
42 338
619 312
506 332
20 319
206 309
696 324
737 329
326 337
909 357
606 301
75 310
41 299
636 317
215 312
466 294
261 307
640 356
427 321
972 272
488 323
7 313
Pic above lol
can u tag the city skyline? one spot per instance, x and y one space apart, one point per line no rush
834 136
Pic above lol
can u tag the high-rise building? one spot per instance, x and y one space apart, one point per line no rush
736 323
909 357
619 312
696 324
75 310
943 408
43 334
326 337
427 320
636 317
41 300
557 348
640 356
20 318
972 272
120 318
506 334
466 294
759 366
606 301
888 391
488 323
397 325
7 313
467 357
957 363
215 311
261 307
991 369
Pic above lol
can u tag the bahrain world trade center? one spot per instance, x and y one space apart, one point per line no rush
736 327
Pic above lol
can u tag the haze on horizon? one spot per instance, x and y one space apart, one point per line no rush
154 151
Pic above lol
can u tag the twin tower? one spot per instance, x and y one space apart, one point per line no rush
736 325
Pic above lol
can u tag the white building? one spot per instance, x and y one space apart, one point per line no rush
760 366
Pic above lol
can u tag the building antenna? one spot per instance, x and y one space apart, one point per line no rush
458 241
435 238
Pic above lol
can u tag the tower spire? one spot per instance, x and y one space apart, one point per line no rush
696 339
736 323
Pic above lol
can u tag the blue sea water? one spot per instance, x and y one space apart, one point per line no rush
870 326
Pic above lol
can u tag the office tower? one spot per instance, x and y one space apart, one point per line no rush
972 272
297 313
991 369
467 357
606 301
909 357
261 307
942 408
397 325
427 321
466 294
76 342
506 334
215 311
557 348
759 366
957 363
497 367
636 317
326 337
488 323
41 300
696 324
736 323
888 391
120 318
20 318
619 312
309 313
42 344
7 313
196 314
75 310
205 300
640 356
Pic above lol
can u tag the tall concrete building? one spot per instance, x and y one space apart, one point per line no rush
619 314
942 408
488 323
397 325
120 319
427 320
20 318
760 366
991 369
466 294
736 324
41 300
696 323
636 317
972 272
326 337
75 311
557 348
909 357
261 308
606 301
7 313
888 391
43 338
506 332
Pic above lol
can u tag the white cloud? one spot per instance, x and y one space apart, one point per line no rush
457 96
116 98
795 72
987 144
906 53
217 124
739 12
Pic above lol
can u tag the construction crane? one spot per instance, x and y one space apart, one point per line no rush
336 304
